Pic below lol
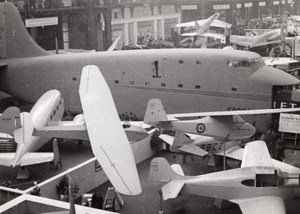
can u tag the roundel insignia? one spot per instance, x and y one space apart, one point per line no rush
200 128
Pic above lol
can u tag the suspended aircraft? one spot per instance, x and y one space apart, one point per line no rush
257 187
99 123
186 80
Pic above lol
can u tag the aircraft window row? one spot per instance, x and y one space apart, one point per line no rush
56 110
180 61
147 83
116 81
180 85
234 89
197 86
74 78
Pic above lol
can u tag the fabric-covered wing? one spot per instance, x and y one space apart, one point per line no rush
270 204
108 139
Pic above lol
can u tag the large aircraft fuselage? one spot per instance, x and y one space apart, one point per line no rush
186 80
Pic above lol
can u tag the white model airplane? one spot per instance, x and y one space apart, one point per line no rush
205 23
48 110
257 187
201 26
220 125
99 123
214 133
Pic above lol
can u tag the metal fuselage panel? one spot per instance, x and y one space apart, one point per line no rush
189 81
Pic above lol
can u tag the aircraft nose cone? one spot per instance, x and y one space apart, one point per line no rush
271 76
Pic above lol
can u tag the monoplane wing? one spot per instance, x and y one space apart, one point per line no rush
268 204
108 139
228 113
235 152
256 153
215 23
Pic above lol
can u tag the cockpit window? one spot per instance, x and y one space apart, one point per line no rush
246 63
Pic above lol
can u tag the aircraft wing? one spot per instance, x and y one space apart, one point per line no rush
244 41
193 149
215 23
189 34
108 139
271 61
228 113
172 189
29 158
235 152
256 153
285 167
268 204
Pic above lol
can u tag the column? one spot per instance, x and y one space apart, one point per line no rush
126 34
135 32
155 29
162 29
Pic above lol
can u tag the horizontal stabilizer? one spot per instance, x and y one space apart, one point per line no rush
10 120
31 158
67 132
268 204
256 153
177 168
172 189
107 136
167 138
161 171
193 149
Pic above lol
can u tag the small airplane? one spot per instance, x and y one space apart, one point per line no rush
204 24
95 124
212 133
257 187
201 26
220 125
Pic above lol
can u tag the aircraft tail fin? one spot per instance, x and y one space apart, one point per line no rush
10 120
161 171
15 41
155 112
